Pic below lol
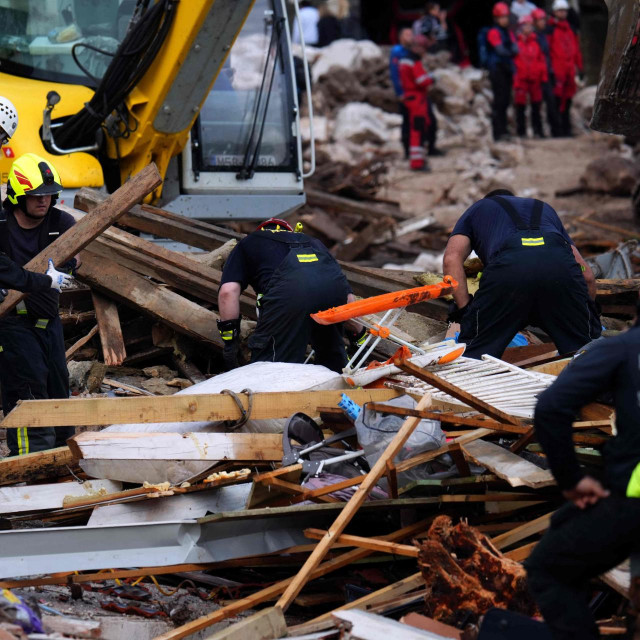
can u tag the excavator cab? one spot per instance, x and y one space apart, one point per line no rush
243 158
103 87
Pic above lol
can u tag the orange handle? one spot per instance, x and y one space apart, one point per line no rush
385 302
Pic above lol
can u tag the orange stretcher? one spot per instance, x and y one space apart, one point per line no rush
385 302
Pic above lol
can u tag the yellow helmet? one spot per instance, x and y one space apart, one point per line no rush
31 175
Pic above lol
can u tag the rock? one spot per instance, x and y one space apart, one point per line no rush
508 154
345 54
360 122
160 371
78 372
582 105
611 174
452 91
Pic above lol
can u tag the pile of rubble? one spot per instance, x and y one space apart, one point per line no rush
187 499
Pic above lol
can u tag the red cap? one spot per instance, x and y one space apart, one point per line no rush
525 20
276 221
538 14
500 9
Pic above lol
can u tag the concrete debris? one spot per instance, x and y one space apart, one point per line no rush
361 123
611 174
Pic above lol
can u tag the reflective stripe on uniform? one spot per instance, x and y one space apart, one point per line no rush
42 323
532 242
307 257
21 308
23 441
227 335
633 488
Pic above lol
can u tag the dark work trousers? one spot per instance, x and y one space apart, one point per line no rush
32 367
406 129
578 546
564 117
552 108
306 281
536 121
432 129
501 77
539 285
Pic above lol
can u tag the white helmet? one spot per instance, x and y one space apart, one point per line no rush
560 5
8 119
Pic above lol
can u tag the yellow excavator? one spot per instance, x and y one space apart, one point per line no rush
206 89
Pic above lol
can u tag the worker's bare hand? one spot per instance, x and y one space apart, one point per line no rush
586 493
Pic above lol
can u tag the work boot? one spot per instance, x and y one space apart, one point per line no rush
435 153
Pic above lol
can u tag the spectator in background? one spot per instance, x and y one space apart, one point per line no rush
520 9
566 60
309 18
434 26
415 84
540 24
398 52
329 28
531 72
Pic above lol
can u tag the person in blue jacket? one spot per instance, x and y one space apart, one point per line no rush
398 52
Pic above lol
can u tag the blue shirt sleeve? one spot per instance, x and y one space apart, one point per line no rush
394 71
464 225
551 215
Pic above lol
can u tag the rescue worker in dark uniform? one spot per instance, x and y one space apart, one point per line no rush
32 353
293 275
599 527
533 274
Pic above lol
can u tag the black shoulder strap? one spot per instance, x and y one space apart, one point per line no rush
536 216
49 229
4 233
513 214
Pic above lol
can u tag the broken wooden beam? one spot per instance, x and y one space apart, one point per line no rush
74 348
113 349
102 445
395 548
209 407
134 290
82 233
40 465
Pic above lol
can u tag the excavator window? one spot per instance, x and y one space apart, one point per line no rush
69 41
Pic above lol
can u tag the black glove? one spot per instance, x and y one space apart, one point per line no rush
356 340
456 314
3 295
230 334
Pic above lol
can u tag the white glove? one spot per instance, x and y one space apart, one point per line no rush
59 280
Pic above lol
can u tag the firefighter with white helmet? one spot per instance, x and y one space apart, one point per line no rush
8 120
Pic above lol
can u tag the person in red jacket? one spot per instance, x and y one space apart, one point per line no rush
566 61
531 73
415 82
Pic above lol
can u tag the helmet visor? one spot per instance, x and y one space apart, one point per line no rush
50 189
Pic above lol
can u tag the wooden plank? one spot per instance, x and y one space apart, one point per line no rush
410 583
507 465
136 291
113 349
394 548
370 210
162 223
50 464
51 496
101 445
359 242
74 348
456 392
82 233
531 528
521 553
267 624
177 408
351 507
274 590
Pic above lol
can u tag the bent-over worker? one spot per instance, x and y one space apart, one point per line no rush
32 354
600 526
293 276
533 274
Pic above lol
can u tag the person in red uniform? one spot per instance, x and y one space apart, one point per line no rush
566 61
415 82
531 73
502 49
